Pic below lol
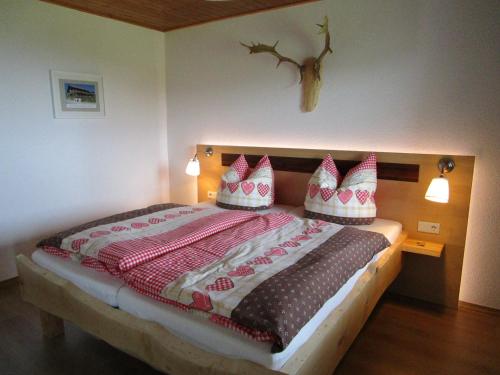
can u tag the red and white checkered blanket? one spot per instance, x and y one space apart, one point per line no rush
264 276
123 244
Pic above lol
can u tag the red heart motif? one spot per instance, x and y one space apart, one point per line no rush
312 230
247 187
372 197
242 271
222 185
301 237
232 186
139 225
99 233
313 190
277 251
201 302
263 189
345 195
260 260
186 212
170 216
119 228
362 196
289 244
320 223
326 193
155 220
221 284
76 244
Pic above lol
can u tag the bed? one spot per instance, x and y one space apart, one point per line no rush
179 343
193 329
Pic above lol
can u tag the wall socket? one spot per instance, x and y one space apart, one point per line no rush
428 227
212 194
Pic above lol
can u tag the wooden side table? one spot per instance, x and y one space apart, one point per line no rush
433 249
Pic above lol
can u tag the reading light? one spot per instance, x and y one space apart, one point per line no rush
439 188
193 166
209 151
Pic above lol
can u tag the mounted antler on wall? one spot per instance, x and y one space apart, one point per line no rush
310 70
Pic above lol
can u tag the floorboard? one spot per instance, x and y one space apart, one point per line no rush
400 337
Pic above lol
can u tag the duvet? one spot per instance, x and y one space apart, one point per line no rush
262 275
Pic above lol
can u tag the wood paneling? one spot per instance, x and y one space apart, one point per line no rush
428 278
165 15
385 171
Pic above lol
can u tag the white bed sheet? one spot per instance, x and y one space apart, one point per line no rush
216 339
100 285
390 228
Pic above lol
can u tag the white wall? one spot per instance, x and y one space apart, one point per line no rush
406 76
56 173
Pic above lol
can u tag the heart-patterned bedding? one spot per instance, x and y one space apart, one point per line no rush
264 276
348 201
239 189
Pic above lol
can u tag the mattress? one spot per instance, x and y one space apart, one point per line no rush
389 228
100 285
196 329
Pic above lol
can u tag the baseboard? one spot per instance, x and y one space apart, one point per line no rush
477 308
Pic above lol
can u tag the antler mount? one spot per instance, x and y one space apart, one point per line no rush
310 70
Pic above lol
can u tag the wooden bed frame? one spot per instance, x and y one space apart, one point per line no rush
59 299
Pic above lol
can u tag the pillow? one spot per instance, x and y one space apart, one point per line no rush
353 203
239 192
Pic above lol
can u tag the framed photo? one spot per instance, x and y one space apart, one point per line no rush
77 95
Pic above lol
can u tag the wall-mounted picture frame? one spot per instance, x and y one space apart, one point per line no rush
77 95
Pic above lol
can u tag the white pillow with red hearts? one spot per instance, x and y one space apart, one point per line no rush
255 192
351 203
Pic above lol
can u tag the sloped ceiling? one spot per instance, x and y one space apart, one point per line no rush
165 15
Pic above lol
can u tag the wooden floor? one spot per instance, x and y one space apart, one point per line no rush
401 337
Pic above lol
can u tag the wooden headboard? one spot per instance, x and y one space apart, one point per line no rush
403 181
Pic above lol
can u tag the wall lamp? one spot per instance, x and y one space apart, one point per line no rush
209 151
193 166
439 188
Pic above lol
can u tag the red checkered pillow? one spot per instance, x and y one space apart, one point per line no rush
255 192
353 203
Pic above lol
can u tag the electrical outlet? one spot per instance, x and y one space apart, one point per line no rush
212 194
428 227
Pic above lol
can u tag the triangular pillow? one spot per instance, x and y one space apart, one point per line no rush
255 192
351 203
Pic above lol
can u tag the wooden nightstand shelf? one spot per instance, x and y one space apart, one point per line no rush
433 249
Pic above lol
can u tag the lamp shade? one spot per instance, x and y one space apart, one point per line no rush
193 167
439 190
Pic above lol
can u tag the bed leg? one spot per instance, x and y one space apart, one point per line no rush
52 325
